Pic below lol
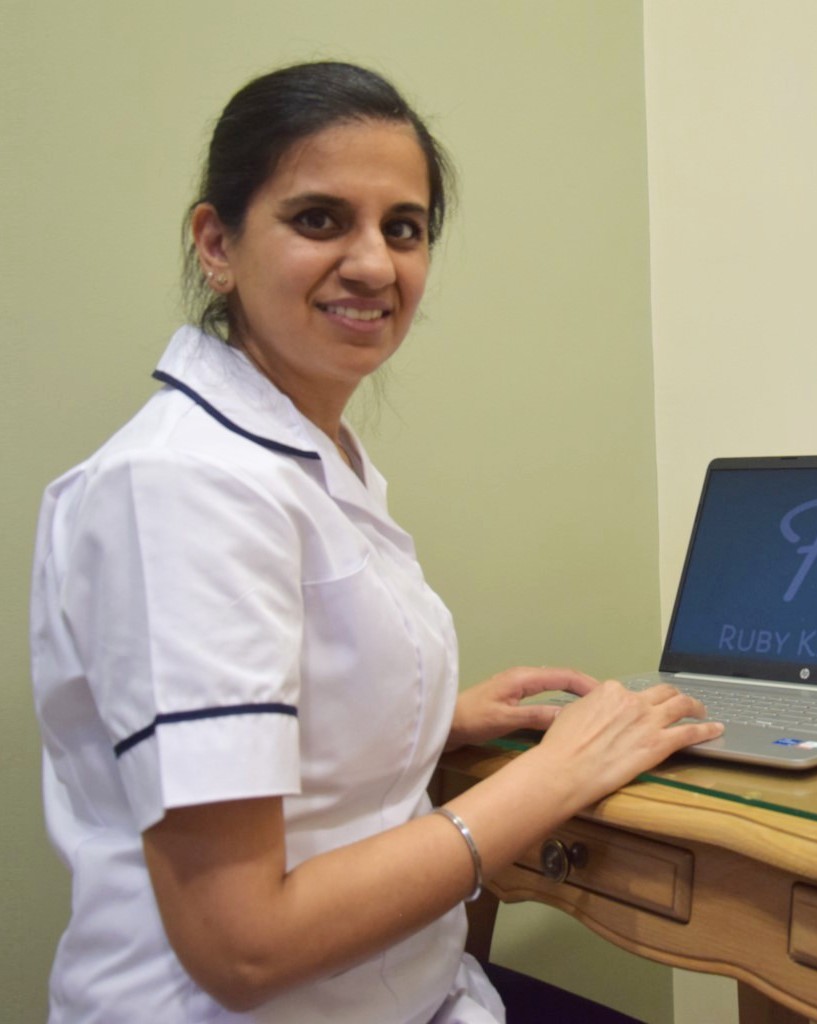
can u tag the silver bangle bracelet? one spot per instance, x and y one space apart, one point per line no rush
465 832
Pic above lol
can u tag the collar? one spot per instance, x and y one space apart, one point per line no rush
226 385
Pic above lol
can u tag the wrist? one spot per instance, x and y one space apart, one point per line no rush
503 818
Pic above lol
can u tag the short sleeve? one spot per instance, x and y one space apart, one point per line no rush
182 593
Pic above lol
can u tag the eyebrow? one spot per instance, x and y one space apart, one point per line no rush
293 203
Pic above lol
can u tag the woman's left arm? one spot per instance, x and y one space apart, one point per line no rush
494 707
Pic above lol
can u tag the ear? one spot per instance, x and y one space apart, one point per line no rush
211 240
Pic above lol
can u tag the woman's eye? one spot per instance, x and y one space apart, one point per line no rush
404 231
318 221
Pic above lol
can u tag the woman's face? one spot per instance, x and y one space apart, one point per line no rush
329 268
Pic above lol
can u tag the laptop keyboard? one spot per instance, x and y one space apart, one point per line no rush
782 711
748 706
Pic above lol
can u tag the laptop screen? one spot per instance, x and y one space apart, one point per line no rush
747 602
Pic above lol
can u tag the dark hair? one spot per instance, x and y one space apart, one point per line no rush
259 125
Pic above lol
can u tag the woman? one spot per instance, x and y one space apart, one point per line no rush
243 680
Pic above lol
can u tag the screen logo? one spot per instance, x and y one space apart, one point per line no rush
808 551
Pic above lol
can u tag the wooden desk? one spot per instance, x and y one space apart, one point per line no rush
689 879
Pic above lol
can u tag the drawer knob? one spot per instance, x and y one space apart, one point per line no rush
557 859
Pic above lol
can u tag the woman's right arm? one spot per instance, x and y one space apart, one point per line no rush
245 927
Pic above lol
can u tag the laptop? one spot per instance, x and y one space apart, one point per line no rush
743 632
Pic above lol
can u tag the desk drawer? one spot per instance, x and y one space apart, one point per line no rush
630 868
803 925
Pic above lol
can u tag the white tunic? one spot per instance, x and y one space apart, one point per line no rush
221 609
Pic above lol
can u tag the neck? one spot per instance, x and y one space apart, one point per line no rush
323 402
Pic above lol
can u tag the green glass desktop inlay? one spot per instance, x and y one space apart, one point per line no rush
787 792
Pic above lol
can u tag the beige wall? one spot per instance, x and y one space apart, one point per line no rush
518 425
732 94
731 101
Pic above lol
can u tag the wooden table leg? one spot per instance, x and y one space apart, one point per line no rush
481 920
756 1008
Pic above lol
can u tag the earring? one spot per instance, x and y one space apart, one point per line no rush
220 282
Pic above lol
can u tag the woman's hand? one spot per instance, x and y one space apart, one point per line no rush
615 734
493 708
593 747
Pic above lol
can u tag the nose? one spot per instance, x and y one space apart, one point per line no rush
368 261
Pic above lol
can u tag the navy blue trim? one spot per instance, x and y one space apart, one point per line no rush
190 716
265 442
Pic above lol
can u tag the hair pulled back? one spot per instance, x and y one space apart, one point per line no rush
258 126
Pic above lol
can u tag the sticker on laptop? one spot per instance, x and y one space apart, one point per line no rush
788 742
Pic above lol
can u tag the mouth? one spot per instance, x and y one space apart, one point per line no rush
365 313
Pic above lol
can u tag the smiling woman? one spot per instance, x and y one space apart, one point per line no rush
243 680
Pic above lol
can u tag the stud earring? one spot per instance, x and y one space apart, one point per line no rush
220 282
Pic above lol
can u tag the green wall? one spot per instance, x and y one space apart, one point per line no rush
516 425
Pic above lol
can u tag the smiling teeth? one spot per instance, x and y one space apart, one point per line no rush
356 314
